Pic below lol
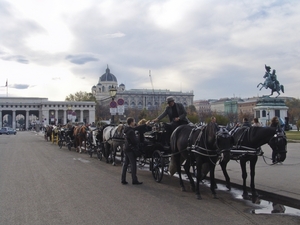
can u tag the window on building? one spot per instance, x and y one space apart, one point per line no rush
264 113
277 113
257 114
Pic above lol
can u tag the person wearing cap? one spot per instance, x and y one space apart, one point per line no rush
177 116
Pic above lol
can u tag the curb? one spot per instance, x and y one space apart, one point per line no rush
268 196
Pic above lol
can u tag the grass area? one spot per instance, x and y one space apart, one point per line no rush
293 135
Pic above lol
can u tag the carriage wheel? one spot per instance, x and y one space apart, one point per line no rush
157 166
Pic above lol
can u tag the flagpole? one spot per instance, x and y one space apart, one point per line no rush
6 88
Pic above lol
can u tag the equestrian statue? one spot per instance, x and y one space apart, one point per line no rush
271 82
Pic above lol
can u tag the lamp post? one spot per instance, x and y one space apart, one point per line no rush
268 110
113 105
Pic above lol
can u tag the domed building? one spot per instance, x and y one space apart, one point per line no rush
136 98
105 83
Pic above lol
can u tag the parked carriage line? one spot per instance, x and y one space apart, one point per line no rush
191 146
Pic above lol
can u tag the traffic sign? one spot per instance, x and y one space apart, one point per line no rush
121 109
120 101
113 104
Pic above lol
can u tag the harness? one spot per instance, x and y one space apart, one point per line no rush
238 151
205 151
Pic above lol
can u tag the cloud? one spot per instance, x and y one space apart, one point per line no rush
215 48
114 35
81 58
19 86
16 58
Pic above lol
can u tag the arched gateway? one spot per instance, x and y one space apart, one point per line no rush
14 110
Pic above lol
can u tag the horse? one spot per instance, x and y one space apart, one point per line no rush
69 133
48 132
247 147
203 144
79 137
113 139
269 83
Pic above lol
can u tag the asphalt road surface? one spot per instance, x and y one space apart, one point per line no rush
42 184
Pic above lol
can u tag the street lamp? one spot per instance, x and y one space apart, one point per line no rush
112 93
268 110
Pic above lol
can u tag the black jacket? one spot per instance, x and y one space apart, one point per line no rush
130 139
180 110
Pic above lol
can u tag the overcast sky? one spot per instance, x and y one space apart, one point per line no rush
53 48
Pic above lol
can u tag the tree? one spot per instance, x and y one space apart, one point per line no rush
294 110
192 114
81 96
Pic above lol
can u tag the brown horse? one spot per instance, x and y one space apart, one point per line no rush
80 133
48 132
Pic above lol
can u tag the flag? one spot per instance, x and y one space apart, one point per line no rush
6 84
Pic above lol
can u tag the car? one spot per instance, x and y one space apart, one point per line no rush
7 130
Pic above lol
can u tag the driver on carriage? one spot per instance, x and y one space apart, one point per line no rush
177 116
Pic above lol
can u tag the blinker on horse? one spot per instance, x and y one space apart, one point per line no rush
204 144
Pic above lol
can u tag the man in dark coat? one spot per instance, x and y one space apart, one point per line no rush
246 122
177 116
131 142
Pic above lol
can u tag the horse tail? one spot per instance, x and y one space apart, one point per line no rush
282 88
173 145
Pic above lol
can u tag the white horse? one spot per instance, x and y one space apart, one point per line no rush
113 139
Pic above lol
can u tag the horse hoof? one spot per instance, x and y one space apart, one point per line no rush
228 187
113 164
199 197
215 196
246 197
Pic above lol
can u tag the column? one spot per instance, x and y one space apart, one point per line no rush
26 120
1 119
55 117
64 117
81 116
14 119
91 116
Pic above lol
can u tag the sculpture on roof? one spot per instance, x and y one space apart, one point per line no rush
271 82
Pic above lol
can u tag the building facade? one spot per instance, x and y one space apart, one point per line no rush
42 111
136 98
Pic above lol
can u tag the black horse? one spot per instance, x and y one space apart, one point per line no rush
247 147
204 144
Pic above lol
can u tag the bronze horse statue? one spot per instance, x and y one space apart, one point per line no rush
271 82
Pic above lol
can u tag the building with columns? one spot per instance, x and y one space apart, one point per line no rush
43 111
149 99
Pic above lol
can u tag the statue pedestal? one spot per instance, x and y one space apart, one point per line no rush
268 107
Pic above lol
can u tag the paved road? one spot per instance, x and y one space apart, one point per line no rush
42 184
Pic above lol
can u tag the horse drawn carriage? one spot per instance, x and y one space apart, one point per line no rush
155 151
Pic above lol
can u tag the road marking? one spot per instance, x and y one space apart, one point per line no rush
82 160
